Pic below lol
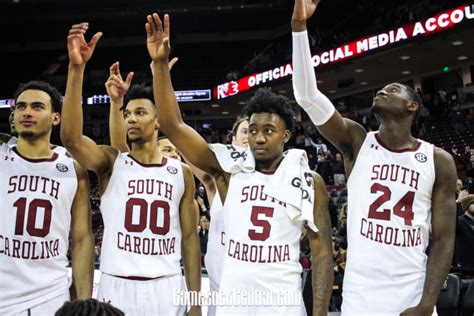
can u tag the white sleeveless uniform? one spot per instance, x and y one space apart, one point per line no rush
215 247
389 217
262 248
37 197
142 236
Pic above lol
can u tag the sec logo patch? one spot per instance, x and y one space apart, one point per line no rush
62 167
172 170
421 157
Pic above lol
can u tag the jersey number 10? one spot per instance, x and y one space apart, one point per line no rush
31 215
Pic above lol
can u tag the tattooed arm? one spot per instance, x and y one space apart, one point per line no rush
443 222
321 249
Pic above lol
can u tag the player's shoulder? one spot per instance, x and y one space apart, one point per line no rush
4 138
441 156
317 178
444 162
186 170
81 172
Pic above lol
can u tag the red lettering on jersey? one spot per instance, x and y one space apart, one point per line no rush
146 246
29 183
29 250
388 235
255 193
258 253
150 187
392 173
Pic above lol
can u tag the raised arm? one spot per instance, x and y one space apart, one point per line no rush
82 148
116 89
82 238
190 240
321 250
186 139
443 223
343 133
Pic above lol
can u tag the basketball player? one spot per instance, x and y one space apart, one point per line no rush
45 197
146 201
398 188
253 219
116 89
12 138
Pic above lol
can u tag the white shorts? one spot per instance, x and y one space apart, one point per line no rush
46 308
150 297
261 310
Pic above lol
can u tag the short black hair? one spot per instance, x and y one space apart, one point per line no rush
43 86
264 100
414 96
90 307
138 91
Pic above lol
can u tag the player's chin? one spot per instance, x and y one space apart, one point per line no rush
261 157
27 134
135 138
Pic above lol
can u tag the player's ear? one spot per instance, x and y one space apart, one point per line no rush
286 136
157 125
56 119
413 106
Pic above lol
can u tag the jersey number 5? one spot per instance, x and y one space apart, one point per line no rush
403 208
259 222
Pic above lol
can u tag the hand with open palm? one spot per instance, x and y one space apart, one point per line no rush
158 38
79 50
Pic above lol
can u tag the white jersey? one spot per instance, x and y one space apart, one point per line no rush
262 246
140 209
215 243
57 149
388 222
37 196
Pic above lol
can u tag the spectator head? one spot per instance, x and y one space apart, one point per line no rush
468 207
204 223
459 186
240 132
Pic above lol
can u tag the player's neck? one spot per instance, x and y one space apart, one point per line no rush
38 148
395 135
146 153
268 166
471 216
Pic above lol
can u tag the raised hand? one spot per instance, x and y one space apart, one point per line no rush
302 11
116 87
78 49
158 38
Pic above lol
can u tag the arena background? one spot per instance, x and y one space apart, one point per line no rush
228 48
